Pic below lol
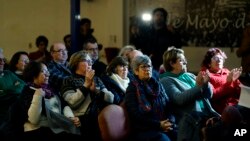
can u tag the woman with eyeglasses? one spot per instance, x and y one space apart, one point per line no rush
46 114
148 105
85 93
18 62
188 94
226 90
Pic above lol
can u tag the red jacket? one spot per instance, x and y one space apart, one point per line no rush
224 93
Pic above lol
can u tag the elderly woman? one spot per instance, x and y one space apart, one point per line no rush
116 79
186 92
47 114
85 93
226 90
18 62
147 104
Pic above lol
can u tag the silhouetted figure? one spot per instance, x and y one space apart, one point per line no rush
86 32
67 42
158 37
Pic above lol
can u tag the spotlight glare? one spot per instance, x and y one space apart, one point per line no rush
146 17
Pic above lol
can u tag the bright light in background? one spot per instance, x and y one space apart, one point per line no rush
78 17
146 17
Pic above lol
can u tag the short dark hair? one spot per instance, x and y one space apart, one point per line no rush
14 60
85 20
42 38
163 11
119 60
32 70
89 40
65 37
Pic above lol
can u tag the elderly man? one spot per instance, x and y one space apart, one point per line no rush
58 66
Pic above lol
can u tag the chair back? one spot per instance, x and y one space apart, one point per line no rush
113 123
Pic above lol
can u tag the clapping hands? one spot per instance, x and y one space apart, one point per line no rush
89 78
202 78
234 74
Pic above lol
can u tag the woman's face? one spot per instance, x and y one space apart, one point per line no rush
217 62
43 77
144 72
180 65
84 65
122 71
22 62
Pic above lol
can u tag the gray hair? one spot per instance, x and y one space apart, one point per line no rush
140 60
126 48
76 58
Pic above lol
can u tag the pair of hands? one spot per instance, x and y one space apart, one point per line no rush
76 121
89 80
202 78
234 74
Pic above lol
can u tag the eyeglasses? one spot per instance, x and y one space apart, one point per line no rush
218 58
90 62
25 60
61 50
145 67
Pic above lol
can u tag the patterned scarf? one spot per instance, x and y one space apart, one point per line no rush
150 97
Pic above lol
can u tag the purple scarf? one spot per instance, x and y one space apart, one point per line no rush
48 91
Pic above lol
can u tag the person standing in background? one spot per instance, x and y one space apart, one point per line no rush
158 37
86 32
244 52
67 42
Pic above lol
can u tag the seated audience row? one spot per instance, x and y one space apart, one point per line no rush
73 93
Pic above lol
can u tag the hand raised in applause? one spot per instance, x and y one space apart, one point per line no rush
202 78
234 74
89 78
